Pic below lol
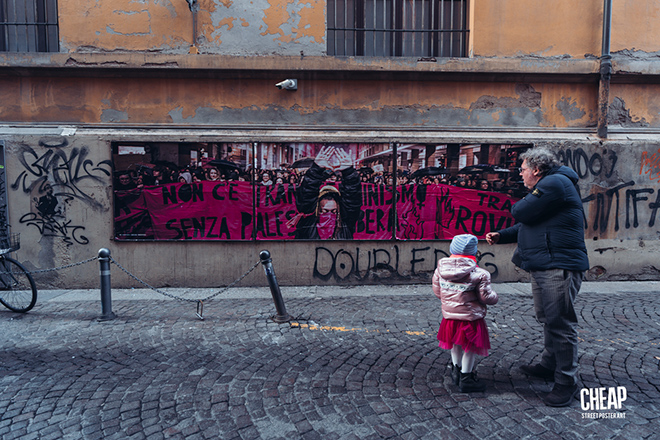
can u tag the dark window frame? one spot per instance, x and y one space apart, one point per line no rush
29 26
398 28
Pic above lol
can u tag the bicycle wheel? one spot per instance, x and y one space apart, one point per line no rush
17 289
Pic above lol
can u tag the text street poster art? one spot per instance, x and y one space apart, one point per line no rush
224 211
197 211
312 191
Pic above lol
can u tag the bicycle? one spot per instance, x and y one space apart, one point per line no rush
17 289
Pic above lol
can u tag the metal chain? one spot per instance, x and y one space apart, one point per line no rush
30 272
177 297
232 284
200 302
80 263
149 286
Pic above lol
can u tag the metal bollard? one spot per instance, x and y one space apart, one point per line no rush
282 315
106 298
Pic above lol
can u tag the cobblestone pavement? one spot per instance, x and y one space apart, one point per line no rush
354 363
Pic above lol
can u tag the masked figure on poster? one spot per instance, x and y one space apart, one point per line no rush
329 211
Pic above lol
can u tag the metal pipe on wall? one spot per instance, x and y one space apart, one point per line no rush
193 5
605 71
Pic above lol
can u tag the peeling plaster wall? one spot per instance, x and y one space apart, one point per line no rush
500 28
144 25
322 102
263 27
257 27
620 181
634 105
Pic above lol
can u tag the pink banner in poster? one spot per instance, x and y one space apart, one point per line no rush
376 220
197 211
223 211
276 212
443 211
277 216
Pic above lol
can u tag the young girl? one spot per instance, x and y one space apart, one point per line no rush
464 289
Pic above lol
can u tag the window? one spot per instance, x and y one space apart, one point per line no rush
28 26
398 28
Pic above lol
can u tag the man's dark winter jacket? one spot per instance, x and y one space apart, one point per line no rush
549 225
307 200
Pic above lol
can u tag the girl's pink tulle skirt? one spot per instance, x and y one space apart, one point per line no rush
471 335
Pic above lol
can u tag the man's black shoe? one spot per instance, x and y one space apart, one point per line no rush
470 384
538 370
561 395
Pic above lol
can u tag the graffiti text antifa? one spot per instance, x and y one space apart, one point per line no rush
607 203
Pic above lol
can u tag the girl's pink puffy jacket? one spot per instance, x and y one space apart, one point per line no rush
463 288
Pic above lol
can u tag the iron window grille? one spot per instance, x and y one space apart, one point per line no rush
28 26
398 28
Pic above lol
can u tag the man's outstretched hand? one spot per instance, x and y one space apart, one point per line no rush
493 237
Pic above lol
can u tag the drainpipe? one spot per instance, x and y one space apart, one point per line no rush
194 7
605 71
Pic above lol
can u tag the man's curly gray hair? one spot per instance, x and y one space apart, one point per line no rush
540 158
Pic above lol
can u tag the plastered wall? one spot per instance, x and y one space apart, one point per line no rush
500 28
512 28
634 105
376 103
620 185
266 27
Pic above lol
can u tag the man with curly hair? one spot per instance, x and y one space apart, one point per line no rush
549 231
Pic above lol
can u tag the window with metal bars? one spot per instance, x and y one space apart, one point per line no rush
28 26
398 28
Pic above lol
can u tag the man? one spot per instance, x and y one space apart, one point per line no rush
328 212
549 231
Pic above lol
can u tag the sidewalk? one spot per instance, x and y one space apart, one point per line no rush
609 287
353 363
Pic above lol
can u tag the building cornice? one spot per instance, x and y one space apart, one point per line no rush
309 67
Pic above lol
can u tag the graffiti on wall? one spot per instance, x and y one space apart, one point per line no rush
54 179
385 263
650 164
51 222
614 203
